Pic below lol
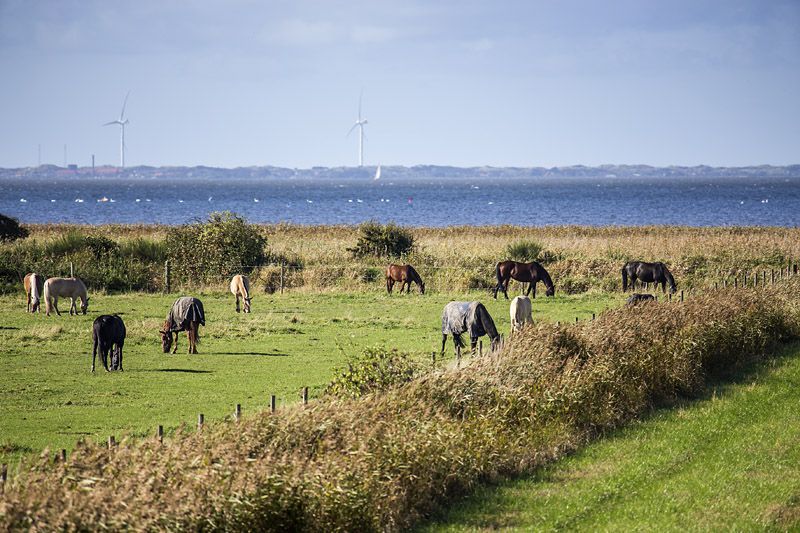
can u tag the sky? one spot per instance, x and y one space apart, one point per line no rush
452 82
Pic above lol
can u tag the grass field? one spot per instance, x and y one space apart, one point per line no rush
728 462
49 398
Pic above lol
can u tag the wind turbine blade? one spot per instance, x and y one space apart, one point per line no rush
360 96
351 129
124 103
111 123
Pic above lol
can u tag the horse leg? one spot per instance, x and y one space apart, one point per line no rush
505 287
444 340
237 303
175 350
119 354
55 306
94 351
472 345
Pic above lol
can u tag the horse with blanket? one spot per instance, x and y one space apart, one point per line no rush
187 315
471 317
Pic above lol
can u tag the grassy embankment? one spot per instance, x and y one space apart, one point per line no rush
48 397
394 456
729 462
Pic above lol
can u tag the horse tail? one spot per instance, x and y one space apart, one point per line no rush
245 281
458 340
48 306
625 277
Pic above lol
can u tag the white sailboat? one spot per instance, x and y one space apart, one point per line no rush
377 173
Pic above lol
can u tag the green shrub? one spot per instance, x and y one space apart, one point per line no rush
524 251
377 240
144 250
214 250
10 230
375 369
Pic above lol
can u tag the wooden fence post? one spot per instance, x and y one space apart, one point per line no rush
681 296
63 455
736 282
111 442
433 357
3 477
283 268
160 434
200 421
272 404
71 270
592 317
166 277
237 414
480 347
305 395
772 276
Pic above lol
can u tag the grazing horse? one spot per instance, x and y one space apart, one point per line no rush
638 298
647 273
108 334
405 274
520 311
525 272
33 291
187 315
472 317
240 287
72 288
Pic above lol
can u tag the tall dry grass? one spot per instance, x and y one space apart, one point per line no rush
383 461
455 258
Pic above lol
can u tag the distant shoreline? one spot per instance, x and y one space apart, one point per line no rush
408 172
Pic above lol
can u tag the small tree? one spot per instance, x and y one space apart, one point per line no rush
524 251
10 230
224 245
378 240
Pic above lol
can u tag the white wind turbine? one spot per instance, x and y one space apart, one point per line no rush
122 121
360 125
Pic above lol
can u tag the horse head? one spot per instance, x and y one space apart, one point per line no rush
421 288
85 305
166 340
551 291
247 304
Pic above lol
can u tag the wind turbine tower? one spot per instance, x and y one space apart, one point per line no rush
360 123
122 121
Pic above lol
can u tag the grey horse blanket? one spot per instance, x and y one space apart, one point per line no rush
459 317
185 309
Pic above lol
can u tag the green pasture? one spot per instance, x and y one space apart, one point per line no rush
49 397
730 462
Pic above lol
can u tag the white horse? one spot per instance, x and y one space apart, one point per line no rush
520 311
33 286
72 288
240 287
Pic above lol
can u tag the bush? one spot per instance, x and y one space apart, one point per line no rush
524 251
214 250
375 369
10 230
377 240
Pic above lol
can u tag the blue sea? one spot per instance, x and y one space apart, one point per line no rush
409 201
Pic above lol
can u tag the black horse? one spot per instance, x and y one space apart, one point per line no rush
524 272
637 298
647 273
108 334
472 317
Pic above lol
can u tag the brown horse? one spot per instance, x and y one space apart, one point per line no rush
405 274
524 272
187 315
